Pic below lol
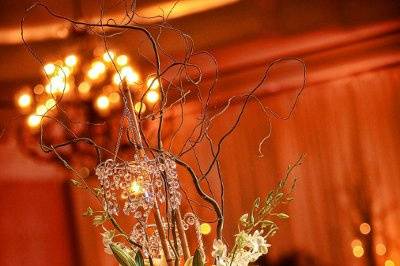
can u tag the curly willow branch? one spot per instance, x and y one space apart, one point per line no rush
188 75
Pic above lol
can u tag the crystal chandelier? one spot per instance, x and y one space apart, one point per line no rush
89 89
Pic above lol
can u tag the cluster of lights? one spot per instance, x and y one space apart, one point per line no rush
109 68
380 248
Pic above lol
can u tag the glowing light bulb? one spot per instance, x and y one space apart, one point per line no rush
122 60
358 251
93 74
152 83
108 56
389 263
356 242
126 73
135 188
49 68
71 60
99 67
205 228
41 110
102 102
140 107
50 103
24 100
64 72
380 249
365 228
152 96
33 121
84 88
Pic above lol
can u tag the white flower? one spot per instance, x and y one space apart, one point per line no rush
219 249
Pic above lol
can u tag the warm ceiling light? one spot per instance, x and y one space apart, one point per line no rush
122 60
380 249
49 68
153 82
152 96
140 107
205 228
108 56
365 228
24 100
71 60
33 121
102 102
358 251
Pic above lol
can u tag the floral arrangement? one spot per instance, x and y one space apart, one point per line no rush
140 179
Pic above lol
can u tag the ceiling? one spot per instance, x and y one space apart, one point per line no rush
212 24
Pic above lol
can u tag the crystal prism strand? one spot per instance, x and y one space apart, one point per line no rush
192 220
142 153
105 171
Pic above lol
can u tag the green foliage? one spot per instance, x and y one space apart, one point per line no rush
198 259
139 259
263 210
99 219
122 256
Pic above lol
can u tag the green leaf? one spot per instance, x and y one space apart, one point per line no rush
283 215
98 220
198 259
139 259
122 257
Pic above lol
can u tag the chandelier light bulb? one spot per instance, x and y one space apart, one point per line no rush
122 60
365 228
102 102
99 67
50 103
41 110
152 83
24 100
152 96
389 263
358 251
33 121
380 249
140 107
108 56
71 60
49 68
93 74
